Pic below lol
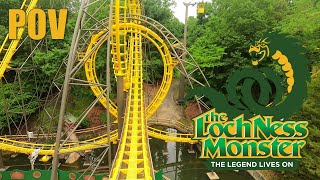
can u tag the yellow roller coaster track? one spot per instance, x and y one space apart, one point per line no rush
168 63
48 149
14 43
98 142
133 160
15 146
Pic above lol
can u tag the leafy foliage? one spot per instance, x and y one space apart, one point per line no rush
226 31
11 104
231 25
218 40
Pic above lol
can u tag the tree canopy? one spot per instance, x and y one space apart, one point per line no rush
218 40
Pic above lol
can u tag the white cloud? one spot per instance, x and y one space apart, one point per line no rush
180 9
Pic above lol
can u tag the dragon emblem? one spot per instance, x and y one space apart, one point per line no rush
264 89
262 48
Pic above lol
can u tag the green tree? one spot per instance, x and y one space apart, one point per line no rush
303 23
159 10
225 33
47 59
11 99
310 162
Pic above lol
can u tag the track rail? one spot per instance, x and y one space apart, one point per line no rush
11 145
133 158
16 146
14 43
48 149
95 44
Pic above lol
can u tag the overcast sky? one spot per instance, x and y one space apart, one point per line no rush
179 10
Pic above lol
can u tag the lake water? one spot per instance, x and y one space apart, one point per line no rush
173 158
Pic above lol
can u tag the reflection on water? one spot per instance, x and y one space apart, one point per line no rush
22 162
173 158
177 164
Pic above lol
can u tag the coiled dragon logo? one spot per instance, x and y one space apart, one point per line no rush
276 84
261 47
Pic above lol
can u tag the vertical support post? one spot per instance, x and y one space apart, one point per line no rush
72 54
120 100
35 75
1 161
182 77
6 109
32 164
7 116
109 85
190 150
24 113
177 159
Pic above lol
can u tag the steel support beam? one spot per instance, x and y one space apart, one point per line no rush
182 83
109 86
120 103
66 85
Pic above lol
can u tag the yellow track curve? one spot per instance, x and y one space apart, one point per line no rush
48 149
22 147
14 43
168 63
133 160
